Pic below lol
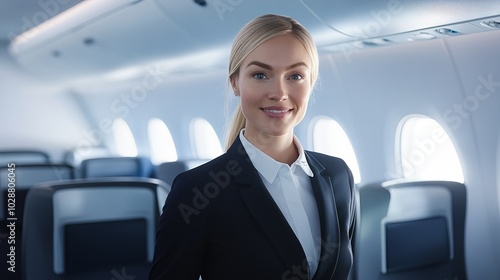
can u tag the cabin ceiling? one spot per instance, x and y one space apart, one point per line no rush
182 35
17 16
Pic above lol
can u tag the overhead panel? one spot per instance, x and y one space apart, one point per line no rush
376 18
217 22
186 35
133 35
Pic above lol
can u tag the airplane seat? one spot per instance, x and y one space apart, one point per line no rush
167 171
115 167
23 157
422 235
373 204
100 228
22 179
75 156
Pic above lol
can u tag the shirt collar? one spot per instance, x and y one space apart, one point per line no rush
267 166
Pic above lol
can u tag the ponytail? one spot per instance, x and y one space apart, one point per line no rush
236 125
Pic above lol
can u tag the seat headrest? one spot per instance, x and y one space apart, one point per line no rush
115 167
29 175
23 157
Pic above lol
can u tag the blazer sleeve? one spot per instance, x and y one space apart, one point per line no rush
350 204
181 235
352 210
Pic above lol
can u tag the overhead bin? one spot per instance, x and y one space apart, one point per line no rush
376 18
95 37
219 20
131 34
89 40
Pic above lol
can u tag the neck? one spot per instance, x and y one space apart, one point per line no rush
280 148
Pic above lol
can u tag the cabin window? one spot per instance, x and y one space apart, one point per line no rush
161 143
204 140
124 139
330 138
426 152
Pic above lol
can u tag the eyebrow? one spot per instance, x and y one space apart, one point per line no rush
269 67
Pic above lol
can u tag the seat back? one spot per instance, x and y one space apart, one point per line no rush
167 171
115 167
15 182
88 229
422 235
410 230
25 176
23 157
372 208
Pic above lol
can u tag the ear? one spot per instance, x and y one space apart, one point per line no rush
234 84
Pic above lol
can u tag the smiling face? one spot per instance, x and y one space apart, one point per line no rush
274 83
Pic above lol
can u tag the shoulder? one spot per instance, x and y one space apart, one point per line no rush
222 166
333 166
231 163
329 162
203 170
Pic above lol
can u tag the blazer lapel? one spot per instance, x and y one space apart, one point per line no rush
330 235
265 211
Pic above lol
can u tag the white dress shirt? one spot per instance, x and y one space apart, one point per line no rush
291 189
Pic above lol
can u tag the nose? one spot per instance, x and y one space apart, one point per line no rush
278 92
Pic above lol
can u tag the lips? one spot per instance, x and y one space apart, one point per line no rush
276 112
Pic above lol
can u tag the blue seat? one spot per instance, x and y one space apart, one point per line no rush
91 228
25 177
372 208
23 157
115 167
167 171
411 230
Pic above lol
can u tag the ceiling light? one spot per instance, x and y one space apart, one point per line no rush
373 43
491 24
421 36
447 31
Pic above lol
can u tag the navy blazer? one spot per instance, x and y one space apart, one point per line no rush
220 222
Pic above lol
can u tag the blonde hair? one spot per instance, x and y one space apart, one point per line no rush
252 35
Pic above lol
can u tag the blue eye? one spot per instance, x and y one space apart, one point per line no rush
259 76
296 77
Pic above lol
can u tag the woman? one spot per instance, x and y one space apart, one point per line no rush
266 209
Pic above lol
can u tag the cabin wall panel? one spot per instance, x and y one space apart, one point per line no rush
421 78
381 86
176 99
476 58
36 114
